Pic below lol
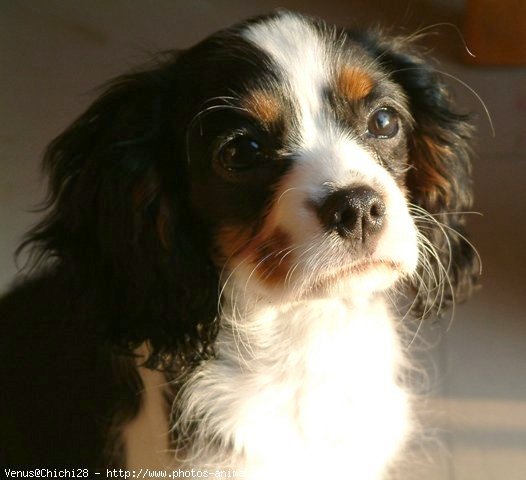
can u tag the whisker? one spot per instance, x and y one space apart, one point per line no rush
439 214
429 251
464 84
442 226
443 24
285 192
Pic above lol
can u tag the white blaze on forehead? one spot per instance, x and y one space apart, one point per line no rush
300 53
329 155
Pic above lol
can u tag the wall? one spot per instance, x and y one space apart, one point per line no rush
54 53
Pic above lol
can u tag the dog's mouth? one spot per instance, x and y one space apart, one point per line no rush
364 266
358 269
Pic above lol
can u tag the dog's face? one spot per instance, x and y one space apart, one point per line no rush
298 154
284 157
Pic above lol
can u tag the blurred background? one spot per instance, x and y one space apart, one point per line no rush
54 53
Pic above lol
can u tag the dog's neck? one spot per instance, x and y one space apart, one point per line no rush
299 389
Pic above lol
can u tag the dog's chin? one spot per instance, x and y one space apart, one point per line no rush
355 280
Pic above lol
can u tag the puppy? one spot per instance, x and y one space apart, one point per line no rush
227 230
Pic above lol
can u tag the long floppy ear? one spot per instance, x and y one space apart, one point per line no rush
119 226
439 179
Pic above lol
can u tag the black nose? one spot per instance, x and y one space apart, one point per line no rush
356 213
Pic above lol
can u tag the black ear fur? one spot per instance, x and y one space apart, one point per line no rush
119 223
439 179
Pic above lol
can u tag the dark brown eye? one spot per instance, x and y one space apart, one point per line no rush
241 154
383 123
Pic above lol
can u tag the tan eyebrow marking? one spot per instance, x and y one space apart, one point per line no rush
263 105
354 83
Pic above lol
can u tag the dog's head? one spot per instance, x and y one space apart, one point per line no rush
282 156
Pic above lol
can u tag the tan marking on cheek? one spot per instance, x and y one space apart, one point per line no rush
231 243
264 106
272 258
268 253
354 83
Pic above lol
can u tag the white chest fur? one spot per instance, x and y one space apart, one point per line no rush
307 390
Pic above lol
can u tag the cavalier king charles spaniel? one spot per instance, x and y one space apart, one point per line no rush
214 285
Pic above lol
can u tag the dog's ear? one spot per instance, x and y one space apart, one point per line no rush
438 179
120 226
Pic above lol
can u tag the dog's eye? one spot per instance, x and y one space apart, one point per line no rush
241 154
383 123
